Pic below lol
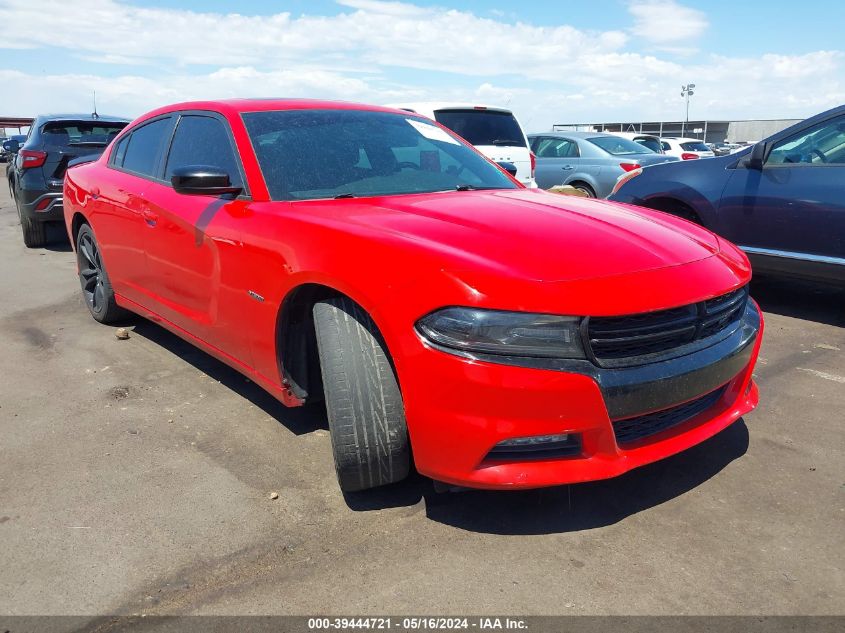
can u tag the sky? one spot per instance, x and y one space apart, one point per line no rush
549 61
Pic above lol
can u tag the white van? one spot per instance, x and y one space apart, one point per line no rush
493 131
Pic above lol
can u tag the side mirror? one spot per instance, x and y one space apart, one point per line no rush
202 180
758 156
508 167
11 146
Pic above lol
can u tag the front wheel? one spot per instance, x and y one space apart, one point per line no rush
96 287
363 401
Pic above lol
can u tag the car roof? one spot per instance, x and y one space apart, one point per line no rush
681 139
46 118
433 106
633 135
573 134
234 107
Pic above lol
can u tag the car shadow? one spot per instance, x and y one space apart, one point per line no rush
565 508
800 299
57 239
542 511
298 420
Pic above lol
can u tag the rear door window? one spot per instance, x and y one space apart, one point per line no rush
143 151
551 147
202 140
483 127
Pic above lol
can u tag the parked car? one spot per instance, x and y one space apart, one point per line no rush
649 141
35 176
505 337
782 200
589 161
493 131
685 148
10 146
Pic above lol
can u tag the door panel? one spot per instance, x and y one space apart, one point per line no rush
119 200
557 161
796 203
194 247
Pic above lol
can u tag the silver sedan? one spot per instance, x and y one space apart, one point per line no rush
588 161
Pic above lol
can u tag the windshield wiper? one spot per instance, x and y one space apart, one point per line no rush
344 195
463 187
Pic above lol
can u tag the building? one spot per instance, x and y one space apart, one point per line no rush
748 130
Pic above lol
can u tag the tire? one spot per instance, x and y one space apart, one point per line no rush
586 189
34 232
96 287
363 402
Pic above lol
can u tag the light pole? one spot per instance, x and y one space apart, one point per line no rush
687 92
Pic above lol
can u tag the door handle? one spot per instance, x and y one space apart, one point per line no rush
567 167
149 217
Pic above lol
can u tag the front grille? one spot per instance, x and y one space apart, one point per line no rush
630 339
633 429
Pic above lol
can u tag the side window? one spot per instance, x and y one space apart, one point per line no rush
666 147
556 148
119 151
821 144
202 140
144 147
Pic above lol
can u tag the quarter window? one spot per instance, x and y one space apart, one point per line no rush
120 151
144 148
202 140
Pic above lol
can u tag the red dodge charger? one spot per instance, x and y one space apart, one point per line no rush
500 337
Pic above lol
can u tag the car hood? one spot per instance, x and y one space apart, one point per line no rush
526 233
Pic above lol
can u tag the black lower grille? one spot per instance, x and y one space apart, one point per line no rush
631 339
634 429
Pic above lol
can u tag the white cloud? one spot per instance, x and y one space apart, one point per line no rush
548 74
667 23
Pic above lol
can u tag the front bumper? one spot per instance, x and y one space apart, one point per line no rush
468 405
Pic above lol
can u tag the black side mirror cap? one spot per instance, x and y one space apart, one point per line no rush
11 146
757 157
202 180
508 167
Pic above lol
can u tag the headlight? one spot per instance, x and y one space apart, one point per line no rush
507 333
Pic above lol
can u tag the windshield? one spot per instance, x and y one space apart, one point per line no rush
67 133
649 142
697 146
619 146
308 154
483 127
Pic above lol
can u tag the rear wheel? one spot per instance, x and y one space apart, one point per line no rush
363 401
96 287
34 232
585 188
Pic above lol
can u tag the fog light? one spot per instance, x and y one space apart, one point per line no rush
43 204
537 447
535 439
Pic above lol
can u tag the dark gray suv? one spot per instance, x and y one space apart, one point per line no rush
36 174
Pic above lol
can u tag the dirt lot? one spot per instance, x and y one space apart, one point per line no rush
135 477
